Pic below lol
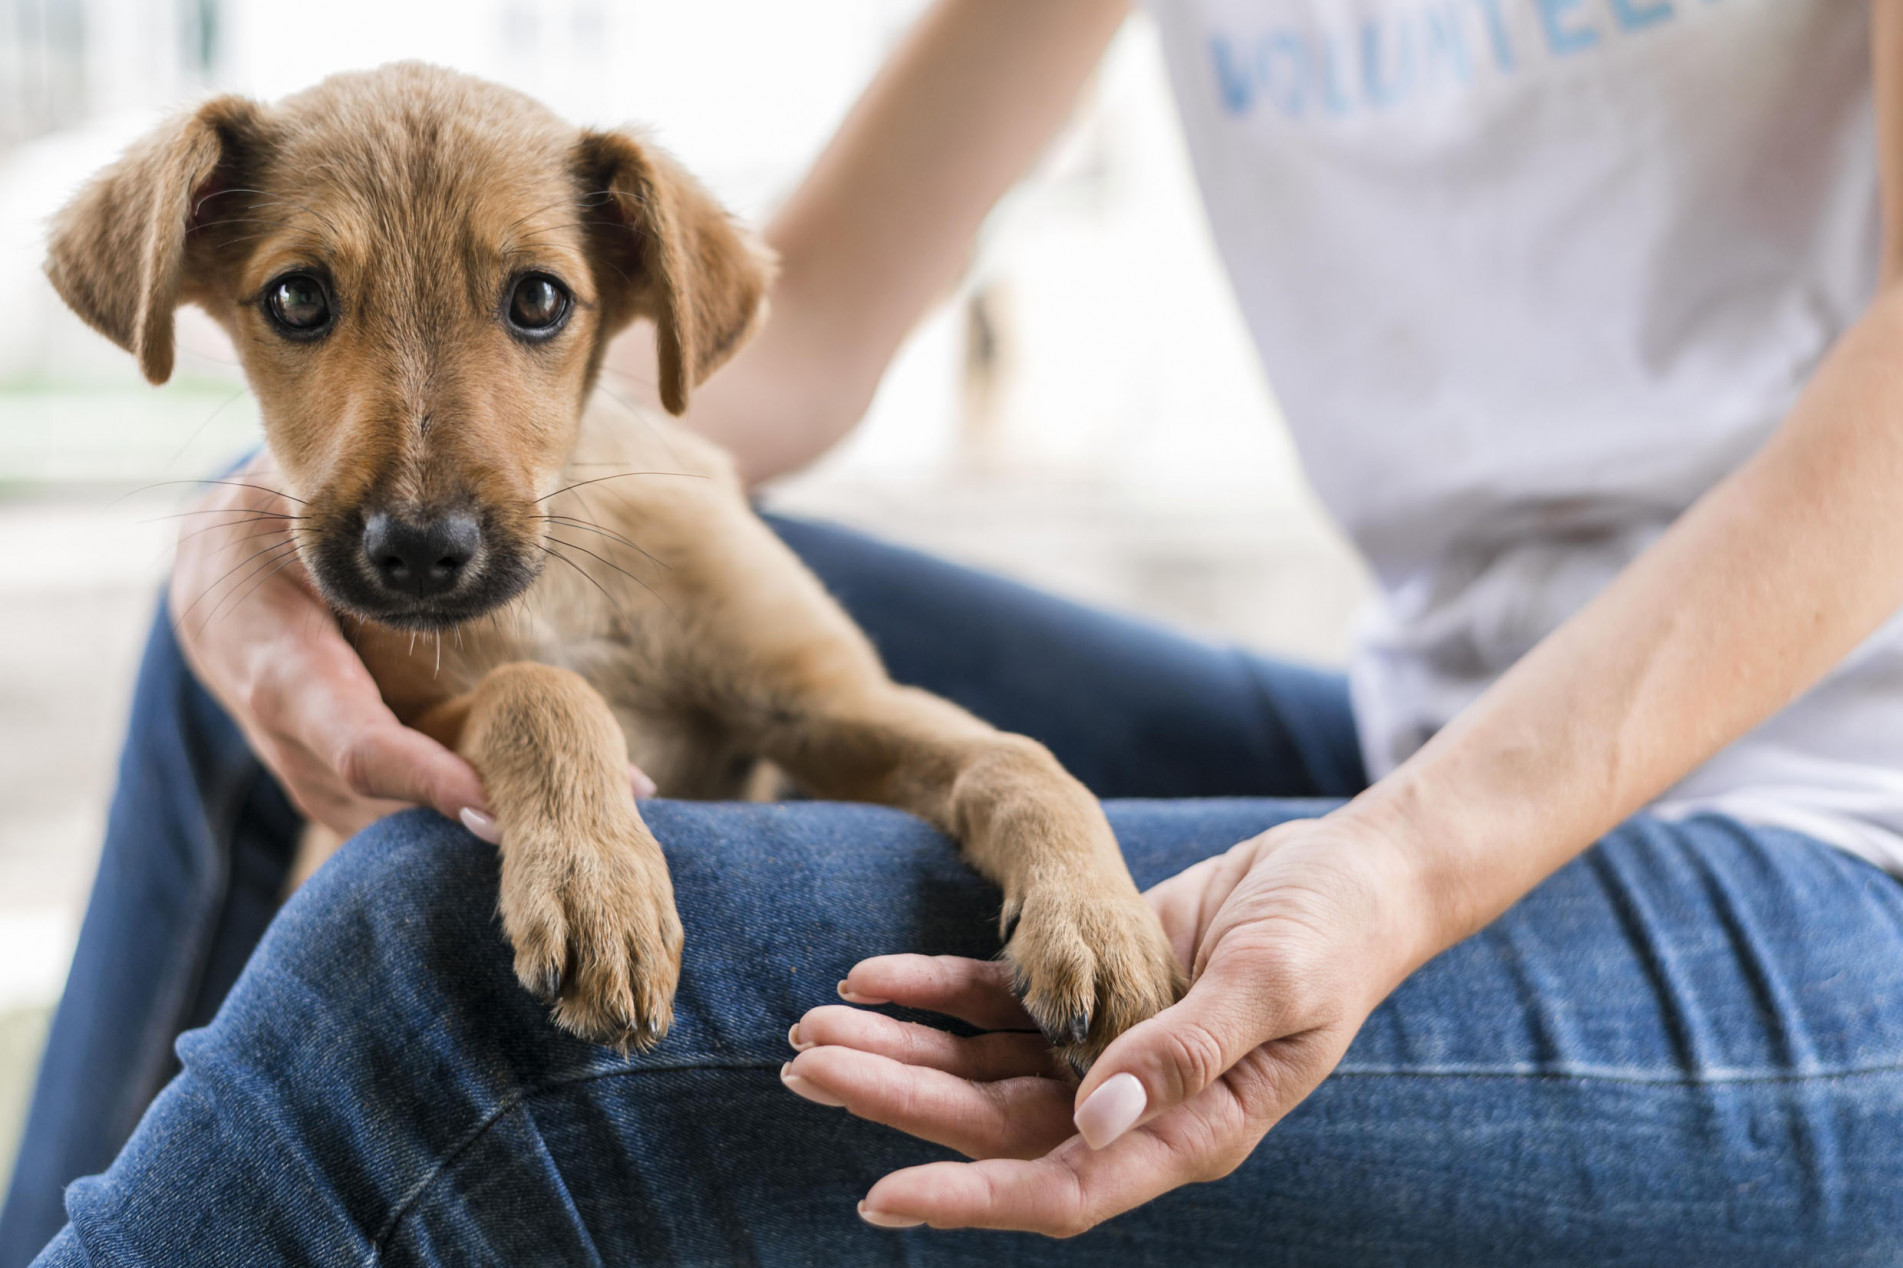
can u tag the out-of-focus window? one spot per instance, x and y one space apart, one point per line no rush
63 62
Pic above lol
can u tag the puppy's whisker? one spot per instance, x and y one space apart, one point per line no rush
574 224
193 438
248 220
282 564
207 591
271 202
623 375
569 488
592 525
570 521
230 484
587 200
265 532
589 578
221 510
641 416
609 563
279 554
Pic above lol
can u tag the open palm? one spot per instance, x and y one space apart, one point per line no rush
1291 937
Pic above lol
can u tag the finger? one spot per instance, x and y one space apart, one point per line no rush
1062 1194
1178 903
975 991
484 825
1011 1118
387 760
988 1057
315 789
1166 1060
333 708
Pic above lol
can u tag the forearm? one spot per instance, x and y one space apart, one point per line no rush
1758 590
883 224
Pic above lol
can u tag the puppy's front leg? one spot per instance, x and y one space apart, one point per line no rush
586 899
1091 957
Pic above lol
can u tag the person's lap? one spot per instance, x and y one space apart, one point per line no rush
1684 1044
1681 1047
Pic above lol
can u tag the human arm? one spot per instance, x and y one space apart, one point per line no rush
883 224
1294 937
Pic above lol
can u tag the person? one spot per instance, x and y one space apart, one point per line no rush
1564 928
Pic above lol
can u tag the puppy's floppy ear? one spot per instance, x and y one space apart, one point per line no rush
120 253
673 254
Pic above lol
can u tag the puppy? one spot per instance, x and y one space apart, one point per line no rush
421 271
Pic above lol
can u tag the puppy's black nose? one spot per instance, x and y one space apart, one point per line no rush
420 560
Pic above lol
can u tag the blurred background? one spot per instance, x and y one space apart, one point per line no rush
1084 411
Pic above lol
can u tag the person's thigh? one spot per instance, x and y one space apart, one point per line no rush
1130 708
1682 1048
1685 1047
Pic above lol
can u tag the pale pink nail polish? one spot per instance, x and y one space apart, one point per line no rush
643 786
481 824
883 1220
807 1088
1111 1110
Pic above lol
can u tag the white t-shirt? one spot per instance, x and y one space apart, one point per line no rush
1528 277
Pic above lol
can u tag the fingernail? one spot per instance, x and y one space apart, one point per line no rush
643 786
1111 1110
886 1221
846 994
481 824
793 1037
806 1088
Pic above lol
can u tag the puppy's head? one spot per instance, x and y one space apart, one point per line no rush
420 271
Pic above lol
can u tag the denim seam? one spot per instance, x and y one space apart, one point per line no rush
507 1105
1716 1078
515 1100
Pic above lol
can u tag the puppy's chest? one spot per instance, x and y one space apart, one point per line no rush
672 733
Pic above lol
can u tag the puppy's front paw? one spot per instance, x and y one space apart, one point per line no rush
591 916
1090 965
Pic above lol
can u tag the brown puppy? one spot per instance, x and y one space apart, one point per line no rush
421 271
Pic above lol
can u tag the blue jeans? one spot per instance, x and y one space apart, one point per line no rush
1685 1047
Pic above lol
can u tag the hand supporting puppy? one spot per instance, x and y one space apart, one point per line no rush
265 645
1293 936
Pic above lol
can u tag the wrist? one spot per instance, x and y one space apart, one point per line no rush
1417 901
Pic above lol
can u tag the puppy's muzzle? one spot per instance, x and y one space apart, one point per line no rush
424 558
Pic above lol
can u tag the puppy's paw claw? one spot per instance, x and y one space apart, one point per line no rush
1089 967
548 987
595 933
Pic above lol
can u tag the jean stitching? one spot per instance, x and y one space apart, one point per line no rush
1588 1074
515 1100
508 1105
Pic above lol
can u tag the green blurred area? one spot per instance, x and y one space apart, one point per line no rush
55 433
22 1034
85 443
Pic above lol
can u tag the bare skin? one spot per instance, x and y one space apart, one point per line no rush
1761 588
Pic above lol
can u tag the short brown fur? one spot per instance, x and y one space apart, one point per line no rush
654 617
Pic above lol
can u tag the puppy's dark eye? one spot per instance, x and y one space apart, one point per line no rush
298 304
538 305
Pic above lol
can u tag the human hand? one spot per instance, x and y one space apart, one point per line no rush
259 638
1293 937
261 641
